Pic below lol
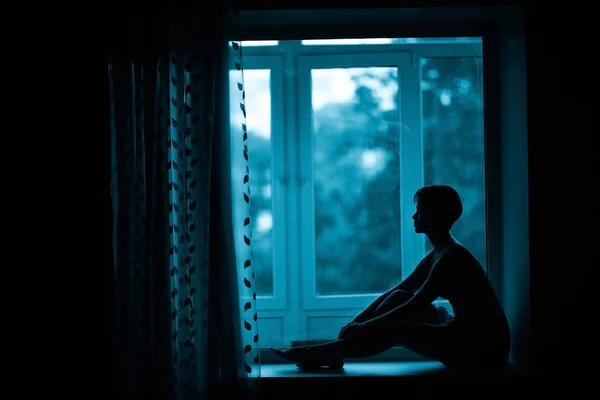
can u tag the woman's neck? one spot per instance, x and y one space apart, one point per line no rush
440 240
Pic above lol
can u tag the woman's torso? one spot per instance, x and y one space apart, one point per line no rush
477 310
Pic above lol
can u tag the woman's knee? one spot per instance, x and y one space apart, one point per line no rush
400 296
395 299
428 313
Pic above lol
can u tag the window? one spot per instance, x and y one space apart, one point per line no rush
341 135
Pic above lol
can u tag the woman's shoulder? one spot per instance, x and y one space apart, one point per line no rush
456 255
454 249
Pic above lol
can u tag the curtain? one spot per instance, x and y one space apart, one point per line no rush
185 301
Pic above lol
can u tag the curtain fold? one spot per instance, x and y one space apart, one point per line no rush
181 283
237 197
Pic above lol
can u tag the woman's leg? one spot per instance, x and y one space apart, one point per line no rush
418 332
429 340
397 298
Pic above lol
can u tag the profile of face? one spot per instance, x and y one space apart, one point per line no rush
424 221
438 208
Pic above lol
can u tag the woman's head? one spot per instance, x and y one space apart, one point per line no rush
438 208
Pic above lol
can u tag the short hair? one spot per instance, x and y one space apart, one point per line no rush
441 200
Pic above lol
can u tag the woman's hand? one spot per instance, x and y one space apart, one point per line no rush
352 329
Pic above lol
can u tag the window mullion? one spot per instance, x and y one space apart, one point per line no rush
411 158
280 184
294 324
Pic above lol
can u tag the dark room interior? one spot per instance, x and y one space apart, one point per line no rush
539 193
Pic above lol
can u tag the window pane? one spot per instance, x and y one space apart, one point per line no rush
357 197
346 41
314 42
256 43
453 140
257 84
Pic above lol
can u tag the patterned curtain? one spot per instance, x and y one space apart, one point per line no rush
185 301
240 175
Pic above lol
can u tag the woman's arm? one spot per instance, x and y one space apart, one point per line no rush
416 279
412 283
424 296
365 314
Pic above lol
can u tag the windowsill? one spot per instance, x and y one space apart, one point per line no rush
384 370
355 369
367 380
393 355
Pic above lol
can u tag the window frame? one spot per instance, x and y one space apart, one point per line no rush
476 24
357 57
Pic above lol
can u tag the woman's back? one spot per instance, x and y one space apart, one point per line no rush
479 319
477 309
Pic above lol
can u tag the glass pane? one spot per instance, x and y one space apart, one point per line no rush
315 42
357 197
256 43
257 84
453 140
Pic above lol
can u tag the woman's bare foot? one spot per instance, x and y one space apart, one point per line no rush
307 360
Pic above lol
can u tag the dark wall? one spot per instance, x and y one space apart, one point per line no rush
561 154
331 4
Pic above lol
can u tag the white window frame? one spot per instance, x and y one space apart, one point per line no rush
411 178
274 63
291 150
